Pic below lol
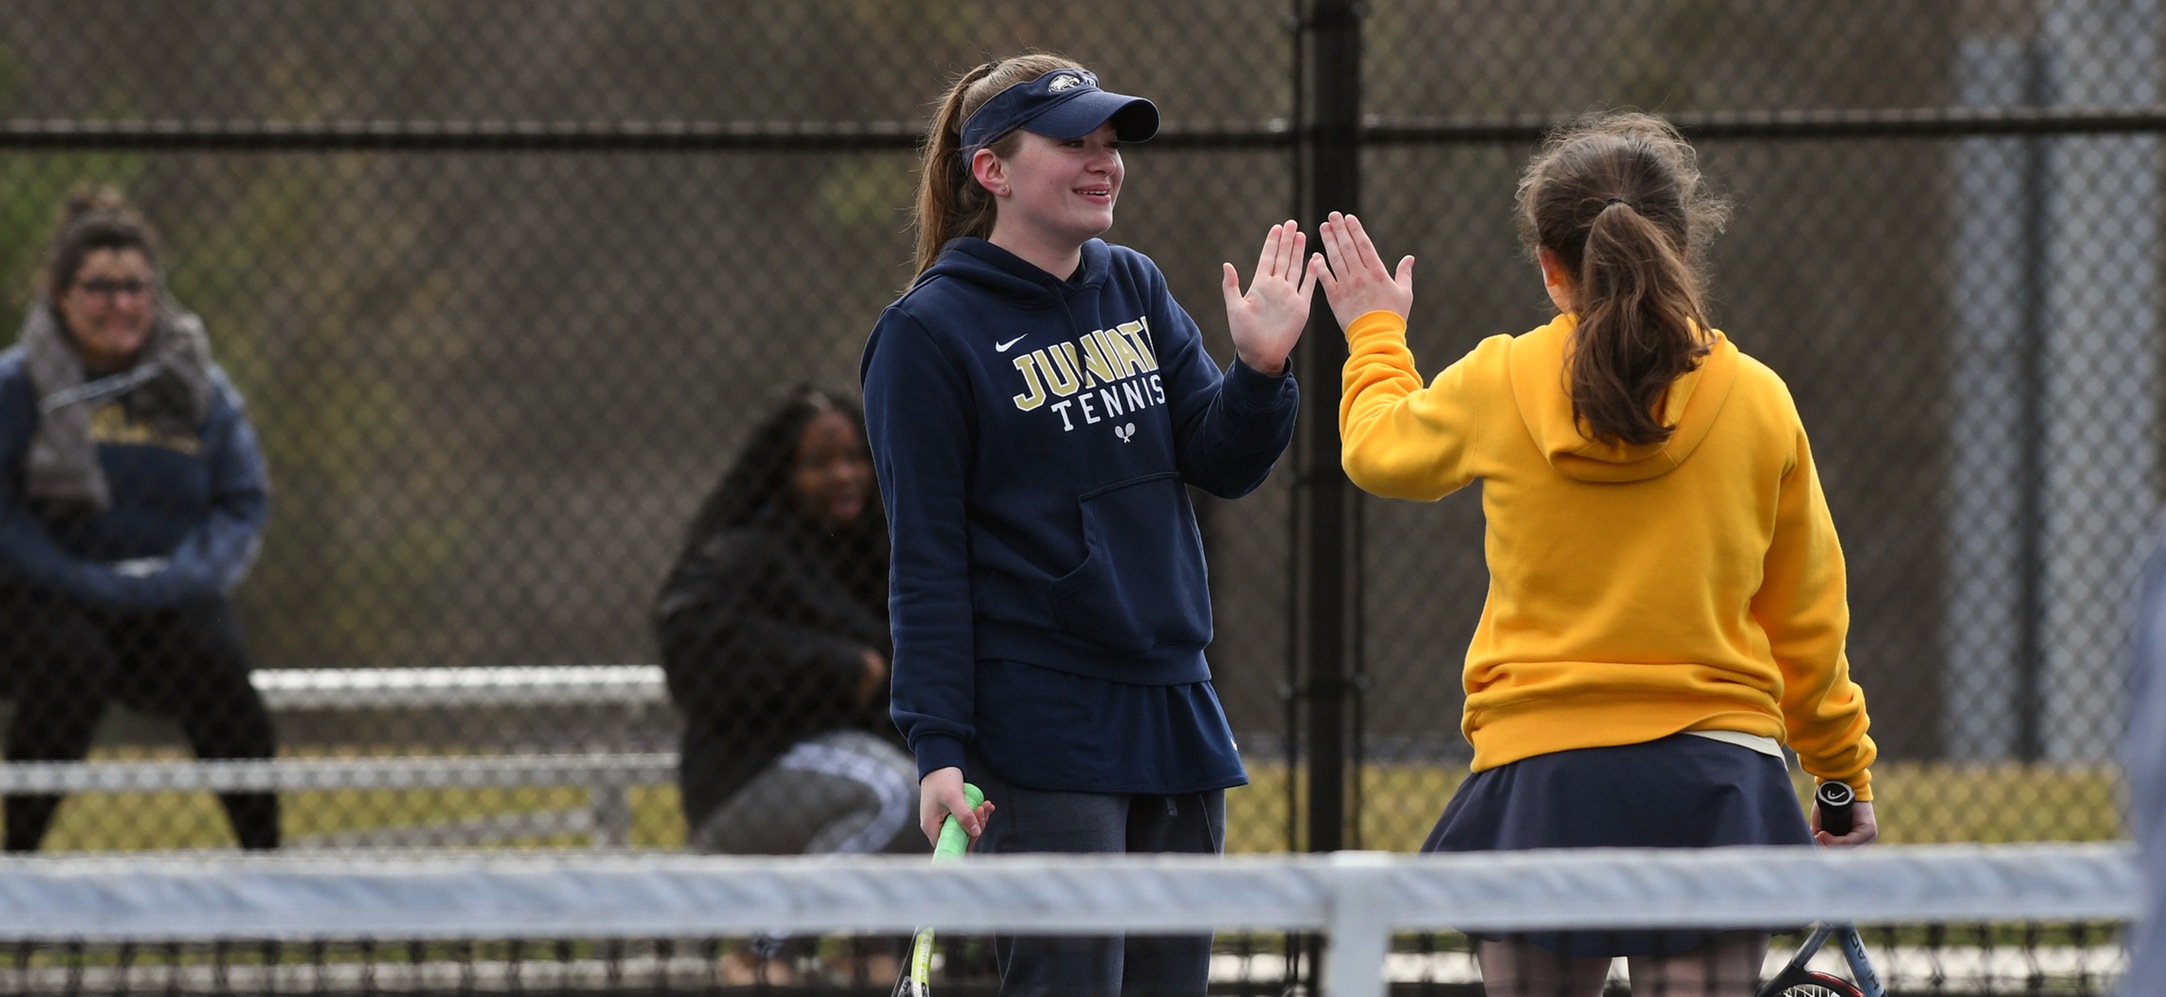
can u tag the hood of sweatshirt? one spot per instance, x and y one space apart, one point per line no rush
1540 388
1013 278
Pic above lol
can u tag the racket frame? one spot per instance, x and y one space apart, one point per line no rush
1852 946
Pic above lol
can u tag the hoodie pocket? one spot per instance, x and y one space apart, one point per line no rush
1142 583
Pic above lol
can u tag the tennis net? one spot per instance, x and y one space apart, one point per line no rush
2033 919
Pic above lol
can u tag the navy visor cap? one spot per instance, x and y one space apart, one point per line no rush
1065 103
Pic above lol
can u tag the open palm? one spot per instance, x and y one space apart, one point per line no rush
1267 321
1355 281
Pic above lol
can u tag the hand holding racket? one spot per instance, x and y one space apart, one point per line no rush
940 795
954 841
1840 818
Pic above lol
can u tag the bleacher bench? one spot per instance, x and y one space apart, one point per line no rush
608 777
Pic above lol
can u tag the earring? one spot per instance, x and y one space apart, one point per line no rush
1003 190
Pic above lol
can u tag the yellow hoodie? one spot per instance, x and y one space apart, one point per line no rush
1634 591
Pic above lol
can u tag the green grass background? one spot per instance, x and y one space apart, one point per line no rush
1915 803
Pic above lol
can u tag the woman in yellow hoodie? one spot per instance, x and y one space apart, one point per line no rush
1666 602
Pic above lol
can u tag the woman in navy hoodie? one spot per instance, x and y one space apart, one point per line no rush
1037 405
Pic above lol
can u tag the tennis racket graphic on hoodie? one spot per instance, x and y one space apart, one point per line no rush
915 980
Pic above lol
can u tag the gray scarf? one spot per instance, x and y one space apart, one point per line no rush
170 384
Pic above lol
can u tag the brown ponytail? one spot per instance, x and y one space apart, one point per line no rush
1616 200
950 203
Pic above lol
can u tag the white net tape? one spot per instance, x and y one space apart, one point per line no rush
1357 898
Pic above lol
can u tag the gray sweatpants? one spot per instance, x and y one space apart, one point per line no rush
843 791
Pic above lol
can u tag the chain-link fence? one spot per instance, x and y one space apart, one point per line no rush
509 288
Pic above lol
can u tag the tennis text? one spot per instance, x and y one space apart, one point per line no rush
1101 375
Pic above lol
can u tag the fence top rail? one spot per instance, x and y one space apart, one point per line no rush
293 774
418 136
517 685
671 895
1885 123
458 136
547 136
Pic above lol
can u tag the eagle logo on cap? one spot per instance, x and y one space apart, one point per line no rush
1063 82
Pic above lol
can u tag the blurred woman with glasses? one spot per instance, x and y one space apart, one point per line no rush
132 498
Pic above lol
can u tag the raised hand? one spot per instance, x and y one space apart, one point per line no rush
1267 321
1355 281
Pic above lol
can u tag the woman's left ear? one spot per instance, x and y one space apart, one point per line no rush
990 172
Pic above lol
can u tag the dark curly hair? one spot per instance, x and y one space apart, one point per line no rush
759 483
94 218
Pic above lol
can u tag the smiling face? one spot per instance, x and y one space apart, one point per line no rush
831 478
1053 194
107 306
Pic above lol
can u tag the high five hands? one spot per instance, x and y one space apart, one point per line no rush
1267 321
1355 281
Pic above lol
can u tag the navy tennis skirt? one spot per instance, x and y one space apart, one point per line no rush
1682 791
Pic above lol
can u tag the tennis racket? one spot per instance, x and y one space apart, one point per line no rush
1834 800
1797 981
915 980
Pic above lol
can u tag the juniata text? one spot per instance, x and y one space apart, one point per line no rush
1102 374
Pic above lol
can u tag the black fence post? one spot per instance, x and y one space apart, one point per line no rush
1326 554
2031 464
1326 547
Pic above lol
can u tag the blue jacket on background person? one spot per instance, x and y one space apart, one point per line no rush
195 501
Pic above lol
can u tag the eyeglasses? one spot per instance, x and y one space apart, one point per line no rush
110 289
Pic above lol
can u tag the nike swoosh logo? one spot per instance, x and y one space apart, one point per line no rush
1003 347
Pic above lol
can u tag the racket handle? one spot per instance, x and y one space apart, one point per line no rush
953 839
1834 799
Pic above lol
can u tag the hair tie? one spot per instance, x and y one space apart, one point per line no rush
1617 200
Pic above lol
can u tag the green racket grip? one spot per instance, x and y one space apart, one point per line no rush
953 839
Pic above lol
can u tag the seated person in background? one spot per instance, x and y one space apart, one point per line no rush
773 632
132 497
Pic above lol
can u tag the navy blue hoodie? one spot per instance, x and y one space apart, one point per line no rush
1034 438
